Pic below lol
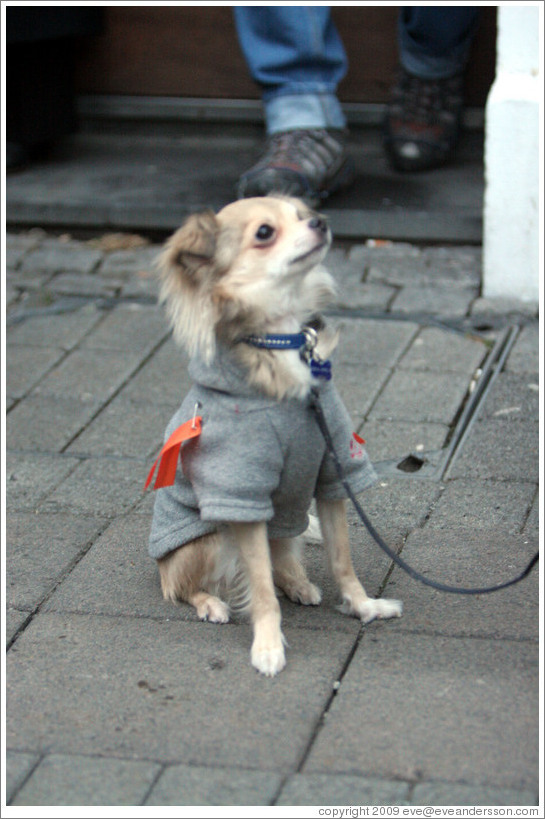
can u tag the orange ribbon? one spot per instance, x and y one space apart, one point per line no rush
170 452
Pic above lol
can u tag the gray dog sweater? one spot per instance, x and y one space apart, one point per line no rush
256 459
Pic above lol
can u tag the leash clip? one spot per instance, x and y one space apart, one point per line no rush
311 340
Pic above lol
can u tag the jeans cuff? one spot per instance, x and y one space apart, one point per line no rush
294 111
432 68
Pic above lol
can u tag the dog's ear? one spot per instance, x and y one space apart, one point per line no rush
192 248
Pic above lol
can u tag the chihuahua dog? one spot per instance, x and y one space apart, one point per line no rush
244 290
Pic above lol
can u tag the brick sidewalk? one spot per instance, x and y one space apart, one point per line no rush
116 697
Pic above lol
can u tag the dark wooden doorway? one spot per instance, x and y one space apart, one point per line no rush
192 51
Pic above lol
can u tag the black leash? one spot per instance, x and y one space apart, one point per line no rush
316 406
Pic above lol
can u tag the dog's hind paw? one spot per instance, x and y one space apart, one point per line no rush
370 609
310 596
307 594
214 610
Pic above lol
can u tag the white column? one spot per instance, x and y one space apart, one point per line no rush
512 159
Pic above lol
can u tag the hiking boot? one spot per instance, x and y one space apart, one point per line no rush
307 163
422 123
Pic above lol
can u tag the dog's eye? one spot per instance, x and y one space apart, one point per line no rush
264 233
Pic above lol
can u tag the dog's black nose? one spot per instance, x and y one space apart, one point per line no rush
318 223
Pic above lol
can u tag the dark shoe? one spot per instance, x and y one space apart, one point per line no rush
423 121
308 163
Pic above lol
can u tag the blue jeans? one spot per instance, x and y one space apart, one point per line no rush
296 56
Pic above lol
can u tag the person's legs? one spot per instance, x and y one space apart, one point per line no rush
295 55
434 41
423 120
297 58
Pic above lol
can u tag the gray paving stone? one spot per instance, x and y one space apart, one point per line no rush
434 299
46 423
81 284
464 556
134 327
197 785
395 507
24 282
456 264
402 264
446 793
90 376
435 708
117 577
55 256
99 487
373 343
416 396
437 350
32 477
14 257
394 440
129 262
81 780
164 379
341 266
25 366
124 429
371 296
483 505
141 285
18 766
513 396
39 550
500 450
25 240
397 264
353 290
126 687
63 330
340 789
524 357
359 388
14 621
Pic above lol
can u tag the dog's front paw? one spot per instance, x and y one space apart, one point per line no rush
268 660
370 609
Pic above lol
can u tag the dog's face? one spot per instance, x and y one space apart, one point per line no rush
275 237
253 263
